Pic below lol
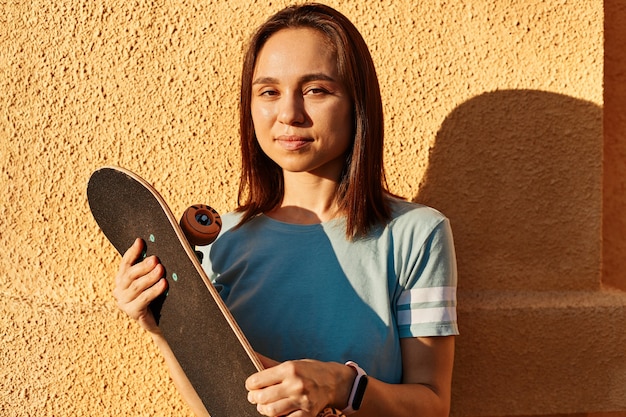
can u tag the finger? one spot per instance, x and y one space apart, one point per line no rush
132 254
138 309
130 257
277 384
138 306
138 279
266 395
265 361
283 407
265 378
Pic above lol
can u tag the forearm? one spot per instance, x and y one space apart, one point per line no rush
402 400
179 378
425 391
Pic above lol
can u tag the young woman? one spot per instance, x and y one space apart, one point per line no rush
321 266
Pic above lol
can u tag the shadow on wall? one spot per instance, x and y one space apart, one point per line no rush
518 172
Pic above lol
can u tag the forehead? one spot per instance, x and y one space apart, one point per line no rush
296 49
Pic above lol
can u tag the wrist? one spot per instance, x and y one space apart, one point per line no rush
345 380
357 389
157 336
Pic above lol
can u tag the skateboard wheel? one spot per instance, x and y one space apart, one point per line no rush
201 224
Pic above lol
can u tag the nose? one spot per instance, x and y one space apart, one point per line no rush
291 109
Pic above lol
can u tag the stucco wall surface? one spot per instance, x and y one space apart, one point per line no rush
494 115
614 176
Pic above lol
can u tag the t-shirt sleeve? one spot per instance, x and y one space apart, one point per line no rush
426 305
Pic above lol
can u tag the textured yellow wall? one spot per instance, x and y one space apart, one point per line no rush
494 114
614 183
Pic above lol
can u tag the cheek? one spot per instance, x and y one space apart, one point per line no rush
261 109
343 122
257 119
261 117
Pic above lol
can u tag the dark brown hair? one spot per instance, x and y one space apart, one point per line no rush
362 189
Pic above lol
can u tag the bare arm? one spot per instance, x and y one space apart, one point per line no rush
179 378
136 285
305 387
426 384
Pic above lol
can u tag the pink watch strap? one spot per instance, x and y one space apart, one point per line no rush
358 389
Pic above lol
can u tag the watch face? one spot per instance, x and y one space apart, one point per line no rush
360 391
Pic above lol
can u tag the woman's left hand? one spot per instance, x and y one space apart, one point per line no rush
300 388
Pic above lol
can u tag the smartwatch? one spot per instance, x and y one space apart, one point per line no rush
358 389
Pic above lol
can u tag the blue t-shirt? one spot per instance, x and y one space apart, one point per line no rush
306 291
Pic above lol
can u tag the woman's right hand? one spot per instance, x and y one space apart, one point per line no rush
137 284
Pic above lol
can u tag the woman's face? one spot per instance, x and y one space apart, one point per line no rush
301 111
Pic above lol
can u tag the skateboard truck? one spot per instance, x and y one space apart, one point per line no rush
201 225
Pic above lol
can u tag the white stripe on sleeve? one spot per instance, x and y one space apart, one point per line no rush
427 295
427 315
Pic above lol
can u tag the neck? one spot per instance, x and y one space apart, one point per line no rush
308 199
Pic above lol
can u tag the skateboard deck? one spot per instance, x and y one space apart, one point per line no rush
201 332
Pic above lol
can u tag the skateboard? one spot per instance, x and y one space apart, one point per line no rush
201 332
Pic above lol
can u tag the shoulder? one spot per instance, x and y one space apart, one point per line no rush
414 226
406 214
230 220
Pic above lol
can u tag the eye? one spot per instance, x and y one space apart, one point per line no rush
268 92
316 91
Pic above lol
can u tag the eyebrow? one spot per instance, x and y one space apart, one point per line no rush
318 76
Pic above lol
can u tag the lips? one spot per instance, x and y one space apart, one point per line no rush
293 143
